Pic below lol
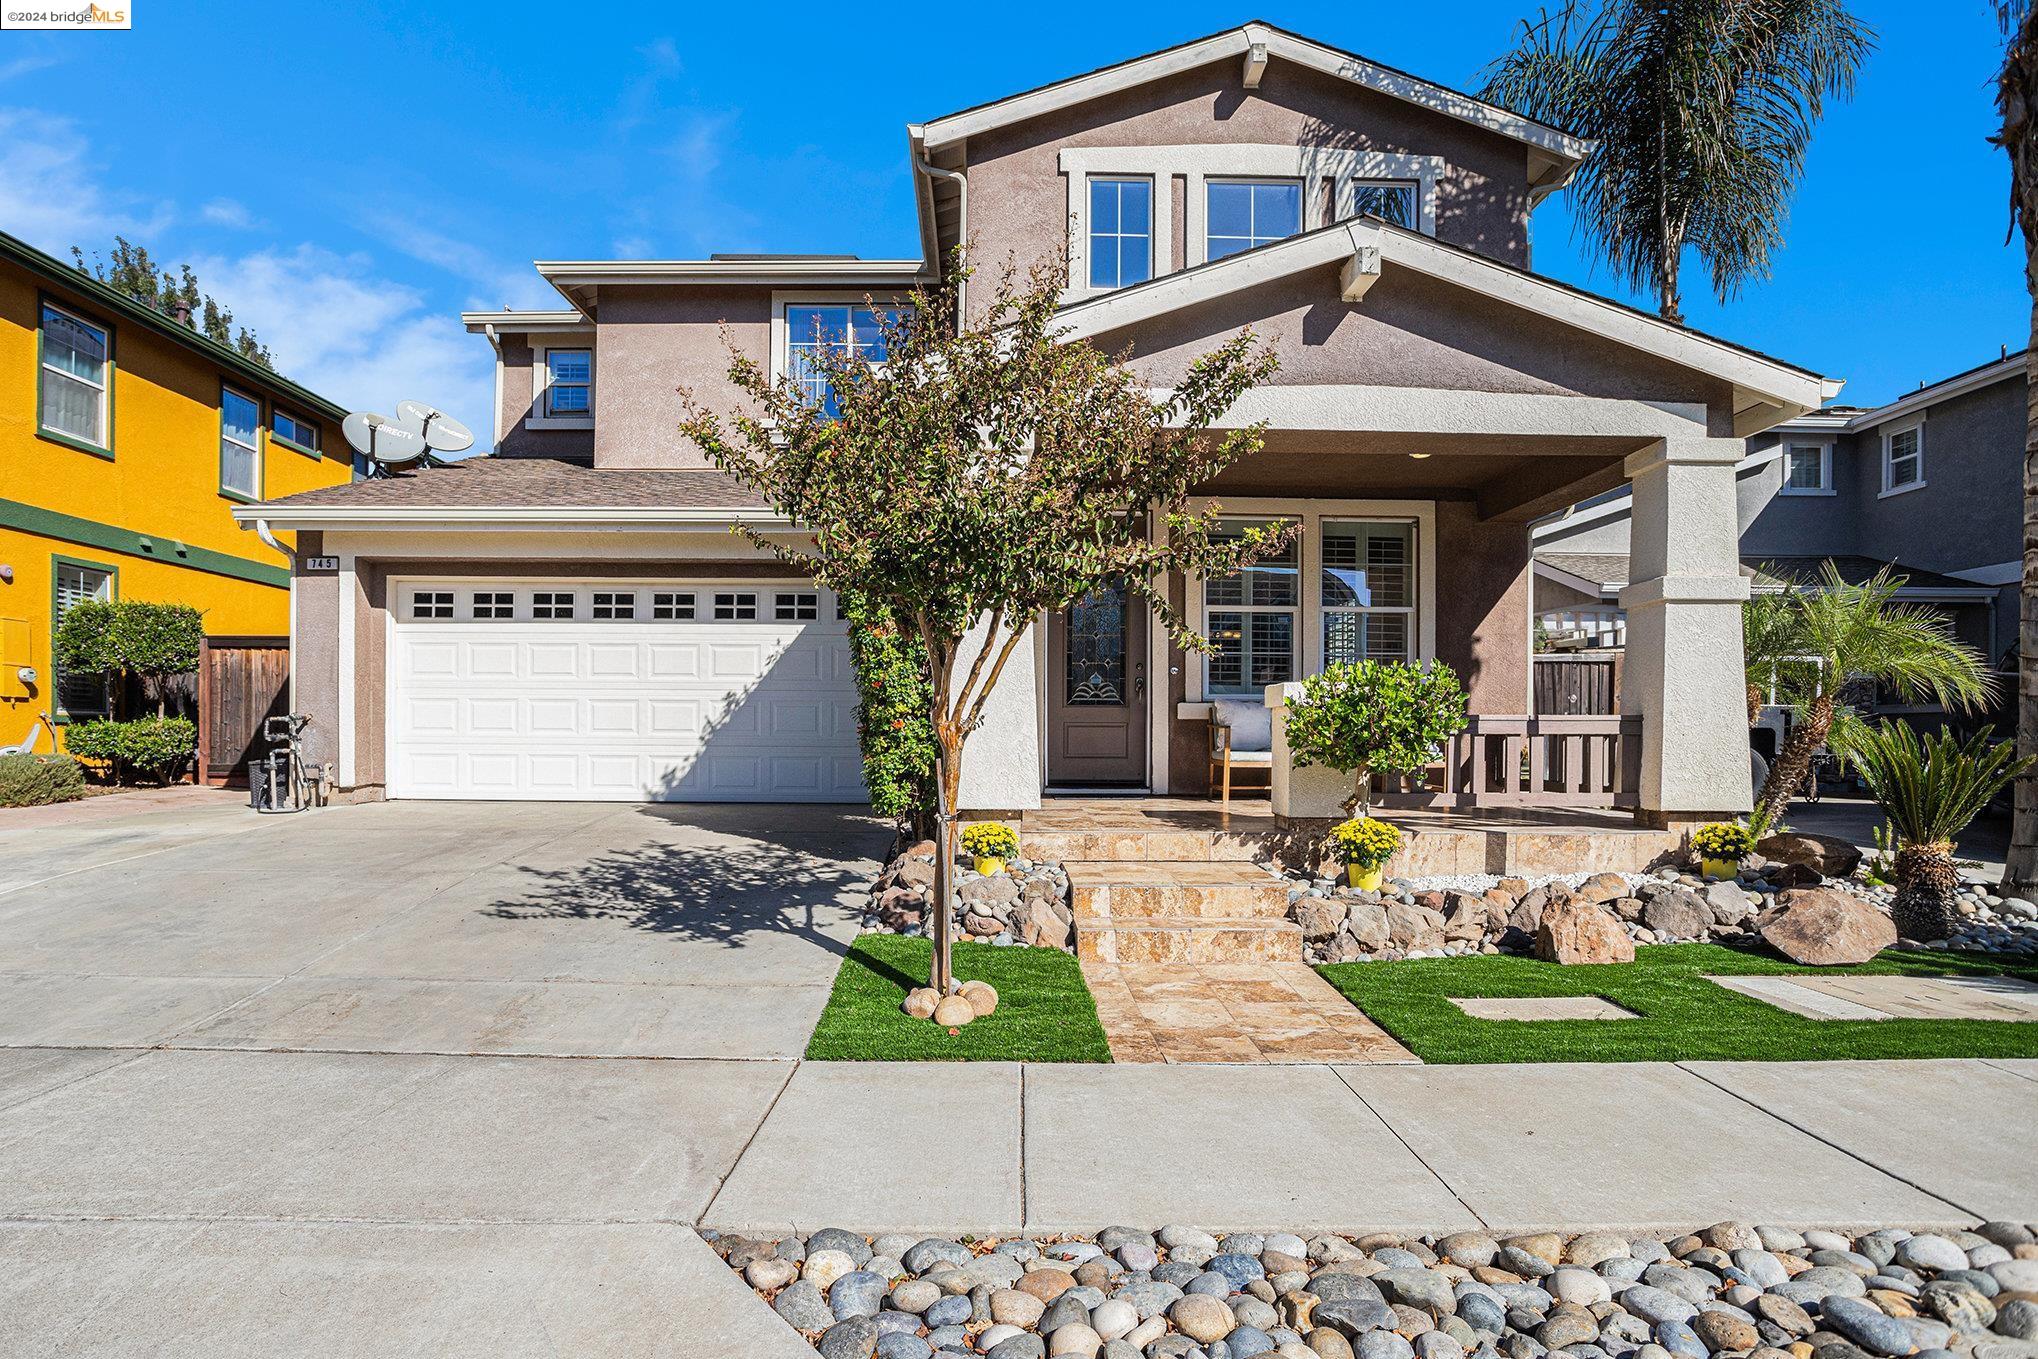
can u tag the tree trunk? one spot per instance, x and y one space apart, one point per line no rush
1362 787
1926 886
2017 96
948 790
1794 761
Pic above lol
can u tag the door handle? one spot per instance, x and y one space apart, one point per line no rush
1139 677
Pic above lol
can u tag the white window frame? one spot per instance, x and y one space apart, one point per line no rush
1326 612
1153 242
1351 187
227 389
781 330
1296 646
541 388
1246 160
1312 514
1889 434
103 444
1302 187
1825 452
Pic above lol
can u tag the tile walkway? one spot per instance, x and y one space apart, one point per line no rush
1232 1012
1851 997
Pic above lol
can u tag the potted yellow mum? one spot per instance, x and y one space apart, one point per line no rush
1720 848
1366 844
990 843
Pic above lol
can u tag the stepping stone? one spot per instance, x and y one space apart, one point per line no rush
1541 1007
1851 997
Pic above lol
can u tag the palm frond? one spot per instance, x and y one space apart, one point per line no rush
1931 788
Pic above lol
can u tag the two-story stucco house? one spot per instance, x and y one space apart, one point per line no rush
1928 486
569 618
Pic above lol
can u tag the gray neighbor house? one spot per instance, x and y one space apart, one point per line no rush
1929 485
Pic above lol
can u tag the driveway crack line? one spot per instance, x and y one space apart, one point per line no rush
707 1209
1819 1137
1025 1200
1420 1159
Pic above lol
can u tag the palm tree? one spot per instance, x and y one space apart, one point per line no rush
1703 110
1930 789
1833 633
2017 99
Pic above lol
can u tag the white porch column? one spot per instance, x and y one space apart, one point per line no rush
1684 672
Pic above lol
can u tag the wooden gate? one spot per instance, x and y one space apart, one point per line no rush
1575 686
241 682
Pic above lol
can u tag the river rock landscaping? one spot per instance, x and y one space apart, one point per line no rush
1731 1289
1808 897
1026 904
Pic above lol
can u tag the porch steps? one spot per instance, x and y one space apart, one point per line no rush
1181 911
1140 845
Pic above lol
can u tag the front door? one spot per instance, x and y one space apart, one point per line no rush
1096 707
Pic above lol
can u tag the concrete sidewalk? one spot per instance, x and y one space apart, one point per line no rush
1620 1146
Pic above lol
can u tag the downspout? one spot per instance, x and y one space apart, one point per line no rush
961 225
495 413
262 532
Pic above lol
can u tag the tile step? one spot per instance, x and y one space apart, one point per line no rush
1147 846
1187 939
1171 900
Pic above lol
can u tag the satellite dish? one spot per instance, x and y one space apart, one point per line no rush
382 440
440 431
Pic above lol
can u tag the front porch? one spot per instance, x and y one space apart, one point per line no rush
1521 841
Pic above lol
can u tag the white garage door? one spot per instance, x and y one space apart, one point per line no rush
663 692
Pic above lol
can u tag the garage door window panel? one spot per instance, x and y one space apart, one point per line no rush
552 604
494 605
614 605
735 608
671 607
431 604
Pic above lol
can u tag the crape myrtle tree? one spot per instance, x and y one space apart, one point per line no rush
976 474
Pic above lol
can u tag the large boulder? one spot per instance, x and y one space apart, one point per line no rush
1820 927
1466 918
1579 932
1367 925
1672 912
1041 926
1320 917
1414 927
1824 854
1727 902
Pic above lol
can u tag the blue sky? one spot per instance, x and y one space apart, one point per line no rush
348 178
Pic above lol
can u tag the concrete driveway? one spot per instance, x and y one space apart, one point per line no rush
289 1084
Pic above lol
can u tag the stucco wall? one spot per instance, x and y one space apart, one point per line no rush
1483 605
1410 331
519 405
1974 449
652 342
1018 197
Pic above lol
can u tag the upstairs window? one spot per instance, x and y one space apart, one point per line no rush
1121 232
1243 214
1903 459
569 383
76 398
301 435
1807 469
240 445
814 327
1390 200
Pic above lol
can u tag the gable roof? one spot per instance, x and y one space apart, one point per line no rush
61 275
1254 42
1766 388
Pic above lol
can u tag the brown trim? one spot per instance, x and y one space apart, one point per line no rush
635 568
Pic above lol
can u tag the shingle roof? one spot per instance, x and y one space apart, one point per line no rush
1602 568
491 482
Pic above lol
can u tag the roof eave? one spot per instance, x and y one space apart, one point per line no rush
386 518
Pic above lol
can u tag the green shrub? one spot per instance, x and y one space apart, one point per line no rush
892 703
153 748
131 638
38 780
1367 717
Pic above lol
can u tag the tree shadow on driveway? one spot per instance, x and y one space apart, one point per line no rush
714 893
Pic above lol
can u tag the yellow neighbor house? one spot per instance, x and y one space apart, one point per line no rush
126 439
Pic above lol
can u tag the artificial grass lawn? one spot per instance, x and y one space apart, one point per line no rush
1044 1012
1683 1016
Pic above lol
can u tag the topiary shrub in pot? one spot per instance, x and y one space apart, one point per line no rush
1367 717
38 780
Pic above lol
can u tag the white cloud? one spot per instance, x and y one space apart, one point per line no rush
499 284
359 339
50 195
228 212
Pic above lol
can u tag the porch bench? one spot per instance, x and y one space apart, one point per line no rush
1241 739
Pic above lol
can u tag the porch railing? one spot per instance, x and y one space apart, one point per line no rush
1551 761
1590 625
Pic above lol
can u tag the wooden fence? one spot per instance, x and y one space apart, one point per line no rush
1575 686
241 682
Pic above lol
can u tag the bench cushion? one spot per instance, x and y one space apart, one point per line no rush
1251 723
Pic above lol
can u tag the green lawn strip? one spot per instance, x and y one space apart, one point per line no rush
1044 1012
1683 1016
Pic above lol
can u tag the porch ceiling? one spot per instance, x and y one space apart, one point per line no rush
1507 478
